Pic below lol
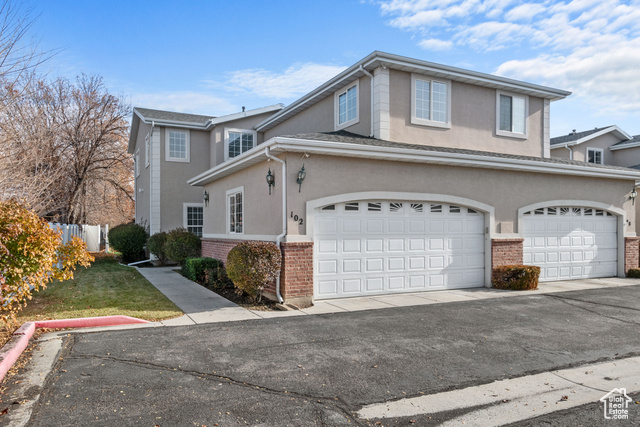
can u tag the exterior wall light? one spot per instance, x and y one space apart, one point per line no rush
271 180
301 176
205 197
633 195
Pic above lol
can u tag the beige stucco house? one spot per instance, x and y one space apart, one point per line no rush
400 175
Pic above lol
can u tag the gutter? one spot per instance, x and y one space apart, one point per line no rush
368 74
570 151
284 213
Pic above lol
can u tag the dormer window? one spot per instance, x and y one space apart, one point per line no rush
511 114
237 141
346 107
430 101
594 155
177 145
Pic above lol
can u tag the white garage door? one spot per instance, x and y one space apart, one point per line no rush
571 242
382 247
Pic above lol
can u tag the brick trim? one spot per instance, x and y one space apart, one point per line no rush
631 253
506 252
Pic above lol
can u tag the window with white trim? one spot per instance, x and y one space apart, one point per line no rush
594 155
237 141
136 161
235 211
193 218
511 114
430 101
346 106
147 151
177 145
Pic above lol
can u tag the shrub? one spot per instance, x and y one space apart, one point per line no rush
129 240
156 246
252 265
194 268
633 272
217 277
181 245
516 277
32 255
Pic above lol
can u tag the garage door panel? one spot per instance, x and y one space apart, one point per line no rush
578 243
388 247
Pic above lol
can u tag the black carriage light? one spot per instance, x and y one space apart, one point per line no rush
633 195
301 176
271 180
205 197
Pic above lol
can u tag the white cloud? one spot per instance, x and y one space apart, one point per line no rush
295 81
185 102
524 12
435 44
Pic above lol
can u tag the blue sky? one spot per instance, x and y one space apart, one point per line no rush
213 57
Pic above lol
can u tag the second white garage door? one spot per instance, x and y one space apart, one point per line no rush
382 247
571 242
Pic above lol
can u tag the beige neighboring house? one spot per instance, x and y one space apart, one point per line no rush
169 148
400 175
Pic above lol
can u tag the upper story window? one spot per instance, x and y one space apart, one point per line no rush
511 114
430 101
346 106
594 155
147 150
177 145
237 141
193 218
235 210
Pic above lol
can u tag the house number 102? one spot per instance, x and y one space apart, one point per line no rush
297 219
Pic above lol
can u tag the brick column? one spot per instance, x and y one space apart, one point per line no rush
631 253
296 276
506 252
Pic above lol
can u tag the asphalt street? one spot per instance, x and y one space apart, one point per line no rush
320 370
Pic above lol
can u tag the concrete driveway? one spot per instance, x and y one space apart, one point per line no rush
323 369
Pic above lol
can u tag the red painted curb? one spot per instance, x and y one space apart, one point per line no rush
16 345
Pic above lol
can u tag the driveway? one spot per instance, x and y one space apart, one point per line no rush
322 369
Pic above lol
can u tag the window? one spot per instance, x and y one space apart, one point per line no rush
147 151
594 155
347 107
430 102
235 210
177 145
237 141
511 115
136 162
192 217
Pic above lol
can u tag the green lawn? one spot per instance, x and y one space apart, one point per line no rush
104 289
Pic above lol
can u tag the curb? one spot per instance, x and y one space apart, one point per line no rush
20 339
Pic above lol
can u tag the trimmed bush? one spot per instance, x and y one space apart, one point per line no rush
129 240
252 265
634 273
156 246
194 268
516 277
181 245
217 277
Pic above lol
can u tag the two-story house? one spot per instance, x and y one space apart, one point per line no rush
400 175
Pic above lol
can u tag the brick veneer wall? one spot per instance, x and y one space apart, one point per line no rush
631 253
506 252
296 275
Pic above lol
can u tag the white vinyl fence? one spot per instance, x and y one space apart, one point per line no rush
94 236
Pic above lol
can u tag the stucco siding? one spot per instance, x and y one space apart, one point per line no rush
627 157
218 133
321 116
174 175
473 120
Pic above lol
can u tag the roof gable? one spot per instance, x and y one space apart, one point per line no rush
576 138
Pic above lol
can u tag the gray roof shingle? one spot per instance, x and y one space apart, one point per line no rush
636 138
574 136
171 116
352 138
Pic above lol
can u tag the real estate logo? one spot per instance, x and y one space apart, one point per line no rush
616 404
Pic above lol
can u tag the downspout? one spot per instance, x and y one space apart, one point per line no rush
368 74
570 152
284 213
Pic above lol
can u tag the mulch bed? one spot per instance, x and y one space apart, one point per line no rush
243 300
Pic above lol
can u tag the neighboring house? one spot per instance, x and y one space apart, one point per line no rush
401 175
169 148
